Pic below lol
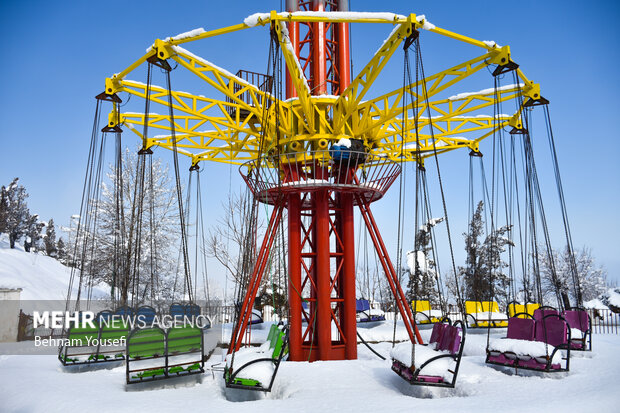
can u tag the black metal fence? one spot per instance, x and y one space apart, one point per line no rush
604 321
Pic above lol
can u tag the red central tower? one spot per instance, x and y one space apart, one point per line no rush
321 256
320 189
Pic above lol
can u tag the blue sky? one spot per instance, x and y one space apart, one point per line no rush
57 55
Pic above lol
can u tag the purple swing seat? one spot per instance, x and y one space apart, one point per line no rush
551 331
444 337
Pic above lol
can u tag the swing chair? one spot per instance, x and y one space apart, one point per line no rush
423 312
158 353
101 340
436 363
533 343
538 337
482 314
256 368
366 316
515 309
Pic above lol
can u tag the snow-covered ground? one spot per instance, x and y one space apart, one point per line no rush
39 276
33 383
39 383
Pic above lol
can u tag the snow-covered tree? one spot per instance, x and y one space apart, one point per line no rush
483 275
17 215
591 278
4 209
49 240
422 268
145 261
61 251
33 233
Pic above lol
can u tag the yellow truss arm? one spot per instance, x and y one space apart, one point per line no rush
193 108
352 96
375 112
297 76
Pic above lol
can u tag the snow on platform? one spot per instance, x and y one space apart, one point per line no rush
38 383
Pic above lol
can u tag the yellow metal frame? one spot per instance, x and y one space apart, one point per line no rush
229 129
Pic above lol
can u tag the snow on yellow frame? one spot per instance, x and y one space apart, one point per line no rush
306 121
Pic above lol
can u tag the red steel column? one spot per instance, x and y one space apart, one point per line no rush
319 45
294 273
348 319
323 279
344 57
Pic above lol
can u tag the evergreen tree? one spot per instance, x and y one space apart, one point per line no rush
33 233
484 276
423 275
4 209
476 282
17 216
61 251
49 239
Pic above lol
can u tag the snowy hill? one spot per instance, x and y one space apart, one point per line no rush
40 277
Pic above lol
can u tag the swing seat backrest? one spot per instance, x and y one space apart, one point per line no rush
514 309
552 330
125 312
421 305
577 319
362 305
183 339
192 311
473 307
521 328
531 307
437 333
177 310
146 343
146 315
489 307
539 313
450 340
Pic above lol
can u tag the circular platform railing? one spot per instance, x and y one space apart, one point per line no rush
271 178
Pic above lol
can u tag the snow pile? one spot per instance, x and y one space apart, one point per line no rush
491 43
403 353
524 348
254 19
40 277
576 334
421 316
427 25
484 91
595 304
420 257
489 315
261 371
344 142
185 35
612 298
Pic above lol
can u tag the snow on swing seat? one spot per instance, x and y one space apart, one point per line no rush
523 349
439 368
256 367
433 364
529 343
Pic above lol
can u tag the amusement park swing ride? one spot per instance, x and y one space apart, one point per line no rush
317 153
